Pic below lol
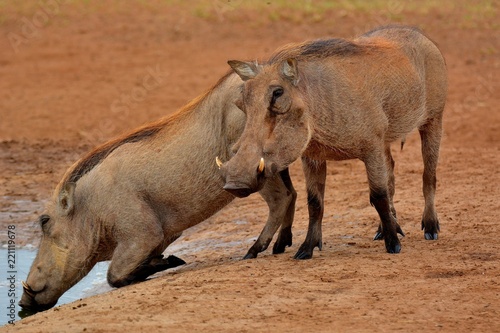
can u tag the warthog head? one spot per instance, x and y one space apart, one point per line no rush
276 131
64 256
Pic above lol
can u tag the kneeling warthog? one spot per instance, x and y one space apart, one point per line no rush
128 199
335 99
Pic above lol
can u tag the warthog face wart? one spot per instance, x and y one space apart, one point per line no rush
277 129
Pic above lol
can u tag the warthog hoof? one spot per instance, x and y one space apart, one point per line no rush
306 249
303 255
379 235
284 239
250 255
392 246
160 264
431 229
151 266
429 236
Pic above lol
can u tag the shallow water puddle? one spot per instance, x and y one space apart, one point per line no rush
92 284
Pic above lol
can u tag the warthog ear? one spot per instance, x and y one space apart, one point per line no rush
290 71
246 70
66 198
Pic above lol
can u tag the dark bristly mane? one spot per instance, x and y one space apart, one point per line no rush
94 157
320 48
329 47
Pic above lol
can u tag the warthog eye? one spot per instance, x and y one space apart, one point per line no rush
44 219
276 93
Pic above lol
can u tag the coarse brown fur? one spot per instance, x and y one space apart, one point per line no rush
336 99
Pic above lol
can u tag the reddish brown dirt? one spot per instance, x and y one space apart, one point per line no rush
56 102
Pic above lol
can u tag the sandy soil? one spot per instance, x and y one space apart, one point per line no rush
70 85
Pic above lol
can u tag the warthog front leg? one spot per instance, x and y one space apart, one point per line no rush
315 174
430 135
377 171
285 235
280 196
140 255
153 265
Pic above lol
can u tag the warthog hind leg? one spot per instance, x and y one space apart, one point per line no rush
378 180
430 135
391 188
389 227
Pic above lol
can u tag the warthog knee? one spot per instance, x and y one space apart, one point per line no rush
118 282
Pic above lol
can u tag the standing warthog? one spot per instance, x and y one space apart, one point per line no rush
128 199
336 99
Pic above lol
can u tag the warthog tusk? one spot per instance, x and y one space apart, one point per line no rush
218 161
27 289
262 164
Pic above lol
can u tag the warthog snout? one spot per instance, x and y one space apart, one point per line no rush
239 190
237 181
28 300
